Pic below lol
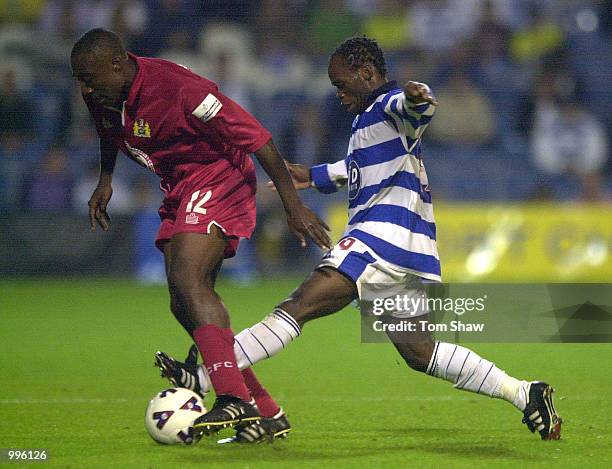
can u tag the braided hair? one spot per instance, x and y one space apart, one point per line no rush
358 51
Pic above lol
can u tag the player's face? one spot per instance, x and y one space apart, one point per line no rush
352 88
101 78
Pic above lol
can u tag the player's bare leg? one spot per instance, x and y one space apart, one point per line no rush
180 313
471 372
193 261
416 348
324 292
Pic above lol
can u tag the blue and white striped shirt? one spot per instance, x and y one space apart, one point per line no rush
390 206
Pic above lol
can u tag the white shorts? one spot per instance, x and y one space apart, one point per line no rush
374 277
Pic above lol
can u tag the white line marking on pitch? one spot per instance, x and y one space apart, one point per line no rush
63 401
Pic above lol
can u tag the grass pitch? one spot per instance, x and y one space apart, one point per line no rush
76 359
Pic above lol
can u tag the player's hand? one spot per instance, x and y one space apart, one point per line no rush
419 93
304 222
300 175
97 206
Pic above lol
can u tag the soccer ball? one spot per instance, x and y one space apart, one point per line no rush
171 413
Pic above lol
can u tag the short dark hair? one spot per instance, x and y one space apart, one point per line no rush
98 38
358 51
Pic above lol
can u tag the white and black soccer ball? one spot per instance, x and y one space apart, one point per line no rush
170 415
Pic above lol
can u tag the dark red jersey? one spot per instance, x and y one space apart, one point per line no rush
197 140
175 121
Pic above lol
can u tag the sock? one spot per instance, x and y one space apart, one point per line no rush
266 405
220 361
263 340
514 391
467 370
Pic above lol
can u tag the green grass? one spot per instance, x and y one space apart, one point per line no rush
76 359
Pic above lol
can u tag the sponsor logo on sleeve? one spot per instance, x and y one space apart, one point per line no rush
208 108
354 180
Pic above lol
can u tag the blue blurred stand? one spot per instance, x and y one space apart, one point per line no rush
148 260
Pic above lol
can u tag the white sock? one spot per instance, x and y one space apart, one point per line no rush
263 340
514 391
467 370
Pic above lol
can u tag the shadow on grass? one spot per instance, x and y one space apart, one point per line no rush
351 445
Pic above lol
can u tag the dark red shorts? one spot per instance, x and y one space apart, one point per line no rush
196 204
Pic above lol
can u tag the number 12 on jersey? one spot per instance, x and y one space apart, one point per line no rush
198 207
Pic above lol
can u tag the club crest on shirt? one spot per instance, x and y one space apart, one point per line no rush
106 123
142 128
192 219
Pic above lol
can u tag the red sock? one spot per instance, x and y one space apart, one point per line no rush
220 361
266 405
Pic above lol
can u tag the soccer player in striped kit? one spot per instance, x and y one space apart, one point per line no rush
390 238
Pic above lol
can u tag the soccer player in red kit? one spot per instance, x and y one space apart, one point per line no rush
178 125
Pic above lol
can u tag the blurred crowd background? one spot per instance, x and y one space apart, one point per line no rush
524 87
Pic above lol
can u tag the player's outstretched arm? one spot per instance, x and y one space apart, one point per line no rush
300 175
414 109
301 220
326 178
104 190
419 93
